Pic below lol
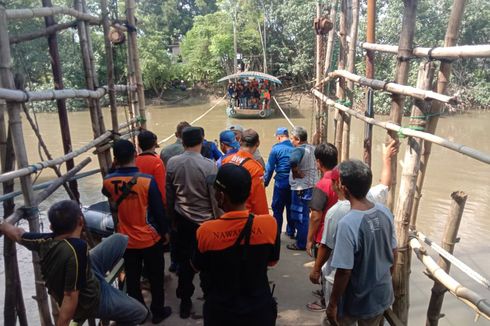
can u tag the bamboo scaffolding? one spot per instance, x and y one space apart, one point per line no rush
469 297
443 77
460 148
13 14
393 88
438 53
49 163
42 33
49 95
15 124
458 201
369 101
319 131
133 47
403 207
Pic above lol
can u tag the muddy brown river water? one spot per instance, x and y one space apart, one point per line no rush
447 172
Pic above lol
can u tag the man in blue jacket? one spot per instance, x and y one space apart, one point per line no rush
279 161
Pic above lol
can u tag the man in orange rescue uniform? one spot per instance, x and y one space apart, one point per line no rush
233 254
257 200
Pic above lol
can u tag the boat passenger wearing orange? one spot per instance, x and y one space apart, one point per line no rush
141 216
233 253
257 201
149 162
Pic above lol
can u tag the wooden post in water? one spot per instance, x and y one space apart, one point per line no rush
371 38
328 63
15 124
443 77
61 104
351 65
340 93
109 64
89 80
450 237
405 46
403 209
319 106
133 45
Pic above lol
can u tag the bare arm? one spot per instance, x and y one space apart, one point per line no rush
14 233
315 220
68 308
322 257
342 277
388 152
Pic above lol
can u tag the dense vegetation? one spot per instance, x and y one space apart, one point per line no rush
204 30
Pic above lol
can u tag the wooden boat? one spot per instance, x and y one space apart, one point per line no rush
249 94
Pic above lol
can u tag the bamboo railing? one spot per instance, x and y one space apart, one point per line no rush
13 14
460 148
438 53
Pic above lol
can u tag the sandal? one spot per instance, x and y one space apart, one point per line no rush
293 246
316 306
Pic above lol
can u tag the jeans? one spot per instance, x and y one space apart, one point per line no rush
114 304
300 214
281 199
186 244
152 258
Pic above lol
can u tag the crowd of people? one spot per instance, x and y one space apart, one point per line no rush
250 94
207 202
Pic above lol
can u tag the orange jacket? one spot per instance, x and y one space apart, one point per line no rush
257 200
150 163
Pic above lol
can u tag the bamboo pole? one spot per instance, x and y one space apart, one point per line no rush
459 148
394 88
132 96
95 112
42 33
398 101
130 14
49 95
15 123
458 201
14 302
13 14
403 207
109 64
319 131
369 112
472 299
438 53
340 92
61 104
25 171
443 77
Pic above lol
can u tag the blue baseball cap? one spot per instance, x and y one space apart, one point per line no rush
281 131
227 137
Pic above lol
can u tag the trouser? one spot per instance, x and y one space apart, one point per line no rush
173 245
351 321
300 214
114 304
186 244
216 315
281 199
152 258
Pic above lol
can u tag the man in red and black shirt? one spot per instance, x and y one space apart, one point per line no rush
233 254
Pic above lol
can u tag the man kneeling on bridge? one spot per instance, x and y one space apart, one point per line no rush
75 277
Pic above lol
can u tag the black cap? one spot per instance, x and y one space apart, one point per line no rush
124 151
235 181
147 139
192 136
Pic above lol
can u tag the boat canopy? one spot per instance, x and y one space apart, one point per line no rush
252 74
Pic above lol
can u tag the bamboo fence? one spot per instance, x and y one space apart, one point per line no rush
13 14
438 53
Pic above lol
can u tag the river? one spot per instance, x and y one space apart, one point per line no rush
448 171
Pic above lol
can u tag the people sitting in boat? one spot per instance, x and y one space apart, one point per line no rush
255 97
74 275
238 94
246 95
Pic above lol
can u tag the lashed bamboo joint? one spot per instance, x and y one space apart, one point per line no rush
437 53
13 14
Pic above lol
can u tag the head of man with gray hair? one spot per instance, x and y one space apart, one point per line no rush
355 179
299 136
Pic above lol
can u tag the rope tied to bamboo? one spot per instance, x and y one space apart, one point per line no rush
431 58
29 213
346 103
402 135
140 119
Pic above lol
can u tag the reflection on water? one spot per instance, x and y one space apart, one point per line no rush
447 172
